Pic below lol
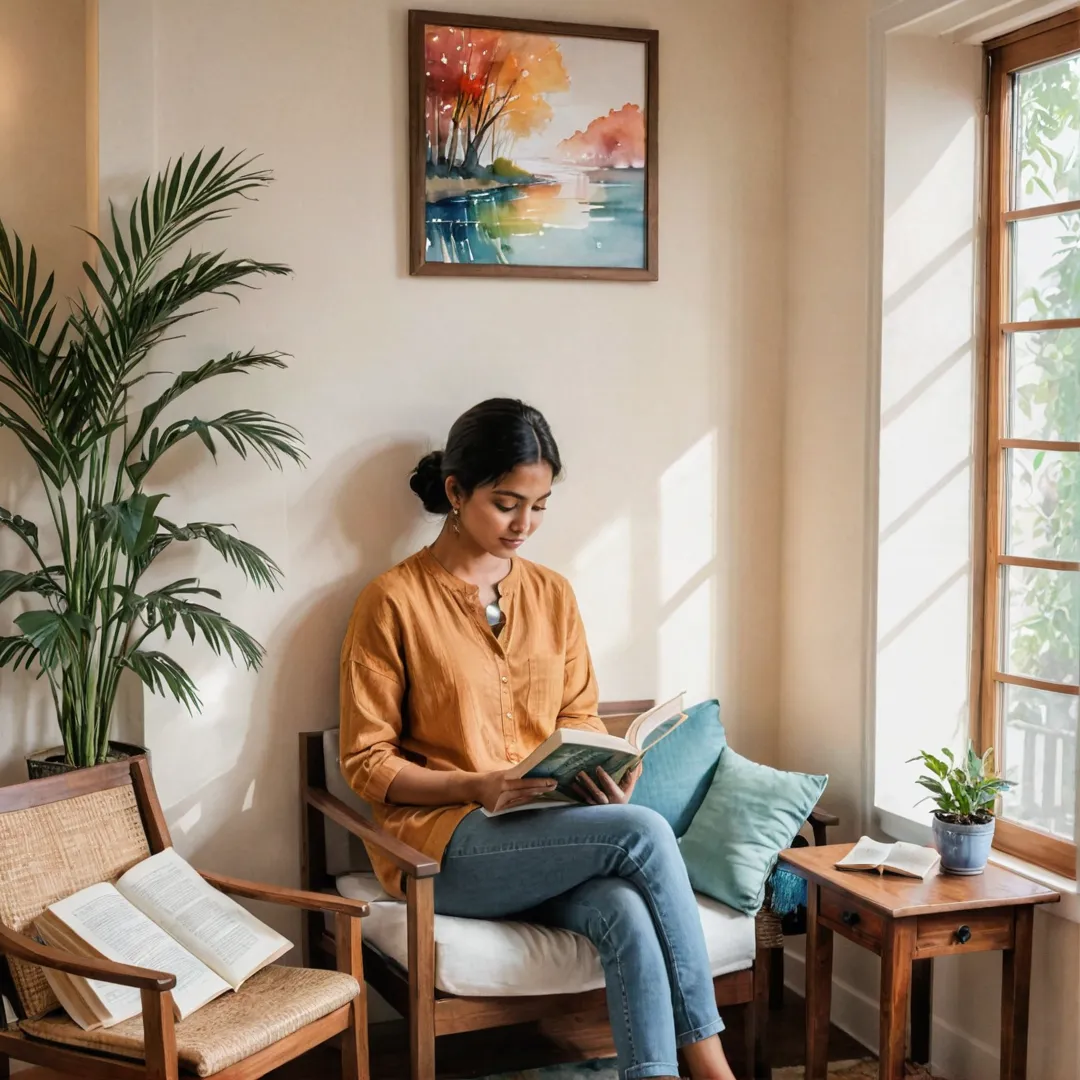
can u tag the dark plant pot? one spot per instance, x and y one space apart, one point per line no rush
964 849
51 762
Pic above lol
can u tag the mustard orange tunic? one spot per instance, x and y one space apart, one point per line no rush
424 680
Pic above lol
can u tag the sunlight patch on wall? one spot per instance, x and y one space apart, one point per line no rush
685 646
186 822
602 582
688 526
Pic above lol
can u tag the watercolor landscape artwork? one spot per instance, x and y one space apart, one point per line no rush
533 148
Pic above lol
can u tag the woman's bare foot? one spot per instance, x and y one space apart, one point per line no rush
706 1060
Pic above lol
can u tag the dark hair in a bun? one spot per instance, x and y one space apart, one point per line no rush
427 482
485 443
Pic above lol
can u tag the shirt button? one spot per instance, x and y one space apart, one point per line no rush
504 679
509 716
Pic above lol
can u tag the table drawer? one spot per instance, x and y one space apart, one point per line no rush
851 919
964 931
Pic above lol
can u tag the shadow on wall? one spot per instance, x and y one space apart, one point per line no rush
375 511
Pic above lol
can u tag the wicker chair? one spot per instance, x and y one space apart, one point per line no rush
407 951
63 833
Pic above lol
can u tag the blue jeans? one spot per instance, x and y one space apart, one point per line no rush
615 875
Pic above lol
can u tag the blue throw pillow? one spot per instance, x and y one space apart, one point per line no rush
749 814
676 775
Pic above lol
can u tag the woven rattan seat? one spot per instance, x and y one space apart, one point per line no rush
273 1003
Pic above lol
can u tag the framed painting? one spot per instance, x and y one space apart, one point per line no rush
533 148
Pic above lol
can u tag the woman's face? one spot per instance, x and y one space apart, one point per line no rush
500 517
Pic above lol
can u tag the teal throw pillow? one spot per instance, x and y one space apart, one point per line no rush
749 814
676 775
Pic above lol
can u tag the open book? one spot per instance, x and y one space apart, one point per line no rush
162 915
899 858
569 751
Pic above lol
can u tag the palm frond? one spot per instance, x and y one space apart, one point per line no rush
230 364
256 565
17 650
165 610
43 582
132 521
242 429
58 636
163 674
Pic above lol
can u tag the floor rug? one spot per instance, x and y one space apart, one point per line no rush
853 1070
605 1070
602 1069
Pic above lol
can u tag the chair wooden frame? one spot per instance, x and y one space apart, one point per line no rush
349 1021
430 1013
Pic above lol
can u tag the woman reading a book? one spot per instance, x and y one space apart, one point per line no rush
457 664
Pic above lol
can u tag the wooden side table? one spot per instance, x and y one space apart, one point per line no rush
908 922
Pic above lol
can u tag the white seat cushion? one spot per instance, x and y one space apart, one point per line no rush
486 958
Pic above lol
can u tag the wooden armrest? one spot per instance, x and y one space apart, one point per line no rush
280 894
412 862
820 816
25 948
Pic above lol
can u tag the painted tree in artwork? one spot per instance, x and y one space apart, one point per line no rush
483 88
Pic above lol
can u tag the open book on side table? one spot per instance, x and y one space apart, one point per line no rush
899 858
162 915
569 751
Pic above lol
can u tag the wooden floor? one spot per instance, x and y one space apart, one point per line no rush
460 1057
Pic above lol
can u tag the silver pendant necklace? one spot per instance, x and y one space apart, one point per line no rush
493 613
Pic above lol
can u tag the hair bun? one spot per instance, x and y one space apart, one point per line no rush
427 482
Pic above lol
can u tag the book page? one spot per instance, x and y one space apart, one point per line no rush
76 993
867 854
116 930
911 859
211 925
667 715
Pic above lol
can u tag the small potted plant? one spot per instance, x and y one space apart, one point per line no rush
964 795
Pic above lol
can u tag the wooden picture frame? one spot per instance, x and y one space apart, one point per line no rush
498 218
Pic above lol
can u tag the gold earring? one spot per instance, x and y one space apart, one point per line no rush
455 520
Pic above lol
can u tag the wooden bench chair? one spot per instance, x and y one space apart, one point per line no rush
63 833
402 961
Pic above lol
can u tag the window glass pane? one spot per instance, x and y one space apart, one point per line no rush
1042 620
1038 754
1044 494
1045 397
1046 268
1047 166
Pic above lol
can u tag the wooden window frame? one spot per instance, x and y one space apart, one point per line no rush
1039 43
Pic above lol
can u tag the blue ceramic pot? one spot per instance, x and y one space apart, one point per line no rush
964 849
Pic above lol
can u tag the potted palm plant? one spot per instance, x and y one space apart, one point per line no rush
964 795
69 401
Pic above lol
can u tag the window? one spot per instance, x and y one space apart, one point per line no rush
1030 678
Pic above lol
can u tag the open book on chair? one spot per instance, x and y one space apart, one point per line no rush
569 751
899 858
162 915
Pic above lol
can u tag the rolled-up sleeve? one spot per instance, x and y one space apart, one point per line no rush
580 703
372 696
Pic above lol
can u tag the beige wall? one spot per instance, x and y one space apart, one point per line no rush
824 501
666 397
46 188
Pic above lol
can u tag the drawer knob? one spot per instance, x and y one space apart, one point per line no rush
851 918
963 935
